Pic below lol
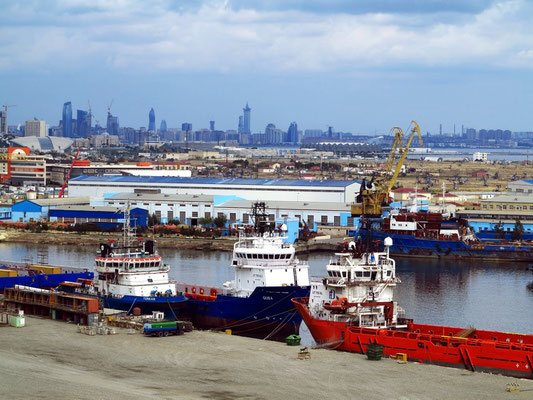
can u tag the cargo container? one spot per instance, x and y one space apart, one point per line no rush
8 273
45 269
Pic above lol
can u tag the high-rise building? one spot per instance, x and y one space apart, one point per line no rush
151 120
292 133
163 127
3 123
84 123
35 127
112 126
240 129
246 123
67 119
211 125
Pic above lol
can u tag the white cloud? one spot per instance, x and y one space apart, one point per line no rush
140 35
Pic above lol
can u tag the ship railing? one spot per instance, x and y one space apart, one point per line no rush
271 263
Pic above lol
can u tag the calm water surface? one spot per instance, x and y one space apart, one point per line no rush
480 294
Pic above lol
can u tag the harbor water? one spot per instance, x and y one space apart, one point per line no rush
485 295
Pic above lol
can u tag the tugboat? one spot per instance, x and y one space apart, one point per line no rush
131 275
258 302
352 309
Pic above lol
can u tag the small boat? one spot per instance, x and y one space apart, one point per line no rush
352 309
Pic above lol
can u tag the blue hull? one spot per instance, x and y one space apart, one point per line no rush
410 246
43 280
267 313
171 306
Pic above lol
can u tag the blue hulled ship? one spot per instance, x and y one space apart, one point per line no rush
258 301
436 235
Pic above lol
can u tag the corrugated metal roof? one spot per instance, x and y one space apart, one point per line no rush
63 200
161 197
290 205
91 208
213 181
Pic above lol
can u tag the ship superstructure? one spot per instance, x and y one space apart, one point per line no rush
353 307
258 301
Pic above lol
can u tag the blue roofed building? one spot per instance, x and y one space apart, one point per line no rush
39 209
249 189
105 217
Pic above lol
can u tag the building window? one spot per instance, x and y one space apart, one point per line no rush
337 220
350 221
232 217
207 214
195 214
311 221
271 217
170 215
245 218
324 219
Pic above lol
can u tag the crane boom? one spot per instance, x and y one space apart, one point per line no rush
372 201
62 191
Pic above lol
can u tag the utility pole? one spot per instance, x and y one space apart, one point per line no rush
5 117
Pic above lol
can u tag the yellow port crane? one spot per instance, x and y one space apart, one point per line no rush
371 201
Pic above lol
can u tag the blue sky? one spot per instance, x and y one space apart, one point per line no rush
360 66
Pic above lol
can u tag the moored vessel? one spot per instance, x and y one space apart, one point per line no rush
353 307
258 301
131 275
437 235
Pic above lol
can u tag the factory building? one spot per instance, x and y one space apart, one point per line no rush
39 209
249 189
311 214
188 209
523 187
105 217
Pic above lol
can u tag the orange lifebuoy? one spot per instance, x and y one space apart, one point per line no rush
193 290
213 292
201 290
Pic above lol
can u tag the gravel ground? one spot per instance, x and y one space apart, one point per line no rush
50 360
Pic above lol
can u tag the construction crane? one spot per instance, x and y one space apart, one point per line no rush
62 191
374 194
6 131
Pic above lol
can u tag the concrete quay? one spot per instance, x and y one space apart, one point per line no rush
50 360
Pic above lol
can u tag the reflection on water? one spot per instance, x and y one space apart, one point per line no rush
482 294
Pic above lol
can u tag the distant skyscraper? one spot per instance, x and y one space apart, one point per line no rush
151 120
83 121
212 125
35 128
292 133
163 127
3 123
241 125
247 110
67 119
186 126
112 126
330 131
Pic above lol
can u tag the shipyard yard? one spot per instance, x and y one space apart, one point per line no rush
51 360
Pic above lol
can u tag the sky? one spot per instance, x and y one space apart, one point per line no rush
360 66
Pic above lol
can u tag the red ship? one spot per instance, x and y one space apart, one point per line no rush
353 307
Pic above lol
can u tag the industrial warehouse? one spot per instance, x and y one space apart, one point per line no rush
249 189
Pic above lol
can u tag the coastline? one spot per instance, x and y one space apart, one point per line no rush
167 242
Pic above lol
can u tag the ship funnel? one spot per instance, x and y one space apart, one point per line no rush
388 243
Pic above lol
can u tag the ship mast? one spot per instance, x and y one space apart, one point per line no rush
127 231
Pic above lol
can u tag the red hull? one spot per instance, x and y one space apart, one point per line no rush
505 353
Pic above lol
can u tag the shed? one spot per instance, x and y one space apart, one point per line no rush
103 216
39 209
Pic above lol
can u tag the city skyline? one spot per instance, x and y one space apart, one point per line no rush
361 68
